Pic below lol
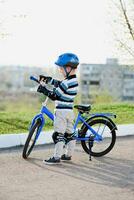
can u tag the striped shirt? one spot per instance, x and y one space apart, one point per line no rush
66 91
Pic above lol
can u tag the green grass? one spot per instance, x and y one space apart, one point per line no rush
123 111
15 117
17 122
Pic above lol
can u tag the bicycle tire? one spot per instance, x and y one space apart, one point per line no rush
110 146
28 148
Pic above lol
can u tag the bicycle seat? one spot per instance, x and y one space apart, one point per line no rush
83 108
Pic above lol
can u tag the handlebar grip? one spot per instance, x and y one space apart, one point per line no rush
34 79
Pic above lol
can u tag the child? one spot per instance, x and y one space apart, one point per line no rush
63 94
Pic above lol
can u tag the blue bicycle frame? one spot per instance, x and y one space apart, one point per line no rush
45 111
49 114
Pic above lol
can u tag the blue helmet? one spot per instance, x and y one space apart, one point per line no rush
67 59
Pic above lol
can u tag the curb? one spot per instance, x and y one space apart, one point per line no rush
12 140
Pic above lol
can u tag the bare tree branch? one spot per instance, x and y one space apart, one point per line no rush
127 48
126 18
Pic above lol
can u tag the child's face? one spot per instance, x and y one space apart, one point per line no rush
62 71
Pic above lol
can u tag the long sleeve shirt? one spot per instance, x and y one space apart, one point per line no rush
65 92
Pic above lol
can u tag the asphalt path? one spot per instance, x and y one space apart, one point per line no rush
109 177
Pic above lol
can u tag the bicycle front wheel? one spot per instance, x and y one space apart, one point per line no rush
31 139
104 128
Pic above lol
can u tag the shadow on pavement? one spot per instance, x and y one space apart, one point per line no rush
109 171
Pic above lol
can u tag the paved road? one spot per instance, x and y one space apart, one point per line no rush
110 177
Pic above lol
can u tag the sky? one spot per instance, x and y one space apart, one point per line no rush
36 32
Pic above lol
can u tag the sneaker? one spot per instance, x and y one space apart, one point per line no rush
65 157
51 161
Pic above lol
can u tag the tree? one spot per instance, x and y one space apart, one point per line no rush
123 25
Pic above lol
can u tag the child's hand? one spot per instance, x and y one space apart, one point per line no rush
46 79
42 89
42 78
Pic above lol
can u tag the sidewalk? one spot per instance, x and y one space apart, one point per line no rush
110 177
11 140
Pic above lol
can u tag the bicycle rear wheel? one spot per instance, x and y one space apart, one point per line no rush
31 139
104 128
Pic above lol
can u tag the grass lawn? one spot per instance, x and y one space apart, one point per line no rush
16 117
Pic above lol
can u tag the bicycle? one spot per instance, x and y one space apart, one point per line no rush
97 134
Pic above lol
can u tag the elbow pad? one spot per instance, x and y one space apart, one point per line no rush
52 96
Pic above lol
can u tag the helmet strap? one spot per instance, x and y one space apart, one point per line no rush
67 73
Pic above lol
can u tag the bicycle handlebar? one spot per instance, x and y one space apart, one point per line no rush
34 79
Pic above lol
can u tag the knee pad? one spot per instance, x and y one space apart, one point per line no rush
69 136
58 137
